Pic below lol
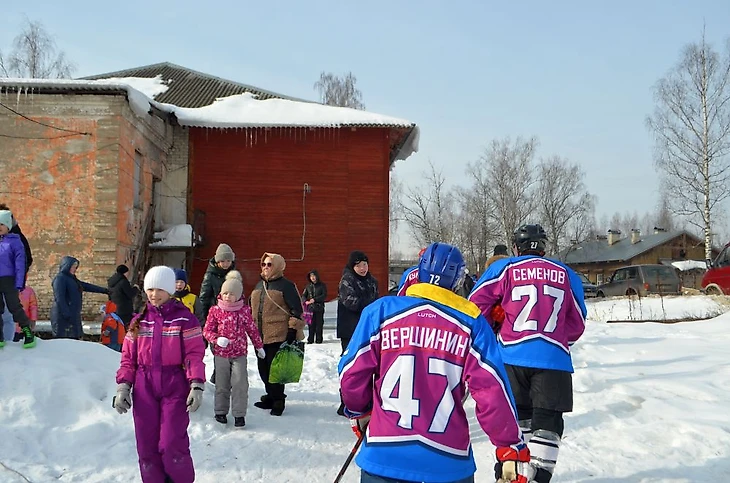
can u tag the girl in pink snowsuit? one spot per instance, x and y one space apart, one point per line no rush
162 360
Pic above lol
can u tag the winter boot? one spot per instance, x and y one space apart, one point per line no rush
29 341
267 402
239 422
221 418
277 408
18 337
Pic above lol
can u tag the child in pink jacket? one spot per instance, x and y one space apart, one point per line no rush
226 327
29 301
162 366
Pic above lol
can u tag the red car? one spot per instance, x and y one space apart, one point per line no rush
717 277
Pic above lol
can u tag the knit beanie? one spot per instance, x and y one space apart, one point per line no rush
224 253
160 277
356 257
6 218
181 274
122 269
233 284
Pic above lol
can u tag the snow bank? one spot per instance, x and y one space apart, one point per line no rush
669 307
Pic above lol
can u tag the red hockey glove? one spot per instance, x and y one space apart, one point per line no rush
513 464
360 423
497 317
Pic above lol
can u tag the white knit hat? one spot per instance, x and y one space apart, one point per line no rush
233 284
6 218
160 277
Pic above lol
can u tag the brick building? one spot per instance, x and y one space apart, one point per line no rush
80 168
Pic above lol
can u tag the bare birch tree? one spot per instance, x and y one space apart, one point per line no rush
34 54
430 209
395 212
510 168
339 91
559 198
691 128
477 230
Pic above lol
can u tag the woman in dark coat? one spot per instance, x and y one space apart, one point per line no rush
122 294
314 297
218 267
67 294
358 288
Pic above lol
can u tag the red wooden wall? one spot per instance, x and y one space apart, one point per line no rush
250 183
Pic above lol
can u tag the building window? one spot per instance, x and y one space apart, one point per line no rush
599 278
138 185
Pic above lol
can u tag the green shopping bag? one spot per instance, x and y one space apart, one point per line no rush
287 364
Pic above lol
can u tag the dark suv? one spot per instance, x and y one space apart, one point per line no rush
642 280
589 289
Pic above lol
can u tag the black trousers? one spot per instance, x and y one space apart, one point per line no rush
315 330
275 391
9 296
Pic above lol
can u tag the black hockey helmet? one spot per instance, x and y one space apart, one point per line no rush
530 239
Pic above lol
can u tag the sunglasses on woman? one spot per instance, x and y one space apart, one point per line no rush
265 264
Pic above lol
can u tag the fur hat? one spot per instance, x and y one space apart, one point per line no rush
500 250
233 284
6 218
181 274
122 269
160 277
224 253
356 257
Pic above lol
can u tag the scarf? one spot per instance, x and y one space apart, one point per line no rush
230 306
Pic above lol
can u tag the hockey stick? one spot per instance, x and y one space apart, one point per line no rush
352 454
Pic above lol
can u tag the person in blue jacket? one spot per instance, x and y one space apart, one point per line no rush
67 295
404 378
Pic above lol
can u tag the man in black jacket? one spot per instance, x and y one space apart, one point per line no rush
122 294
314 296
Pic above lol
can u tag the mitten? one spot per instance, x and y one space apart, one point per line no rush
123 401
261 353
291 335
513 464
222 341
195 397
359 422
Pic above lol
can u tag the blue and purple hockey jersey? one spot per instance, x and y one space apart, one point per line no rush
544 310
411 360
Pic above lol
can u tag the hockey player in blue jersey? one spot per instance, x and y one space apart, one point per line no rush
405 373
410 276
544 314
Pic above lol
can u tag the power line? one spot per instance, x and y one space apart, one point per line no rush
43 123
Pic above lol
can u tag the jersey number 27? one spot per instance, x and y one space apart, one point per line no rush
523 321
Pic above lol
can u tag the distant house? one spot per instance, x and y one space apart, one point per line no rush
269 172
598 258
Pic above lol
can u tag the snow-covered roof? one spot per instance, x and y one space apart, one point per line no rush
237 111
685 265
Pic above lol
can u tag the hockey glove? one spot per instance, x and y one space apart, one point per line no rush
195 397
359 422
513 464
291 336
261 353
123 401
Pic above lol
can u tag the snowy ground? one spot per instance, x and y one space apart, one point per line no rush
649 402
655 308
